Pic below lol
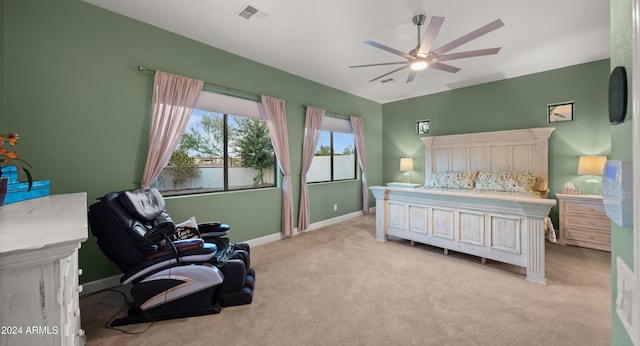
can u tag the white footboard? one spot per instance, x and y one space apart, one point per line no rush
505 228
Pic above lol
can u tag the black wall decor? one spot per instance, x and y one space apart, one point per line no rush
617 95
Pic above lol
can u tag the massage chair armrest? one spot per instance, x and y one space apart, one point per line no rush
182 246
213 229
190 251
215 233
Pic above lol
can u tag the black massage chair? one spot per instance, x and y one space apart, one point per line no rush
171 278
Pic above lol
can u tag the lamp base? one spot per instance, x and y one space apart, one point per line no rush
592 186
406 178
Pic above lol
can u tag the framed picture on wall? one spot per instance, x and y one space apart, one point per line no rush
423 127
560 112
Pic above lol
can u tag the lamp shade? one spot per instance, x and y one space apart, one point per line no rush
591 165
406 164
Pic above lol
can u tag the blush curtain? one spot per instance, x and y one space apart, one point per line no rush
173 100
358 130
312 129
276 117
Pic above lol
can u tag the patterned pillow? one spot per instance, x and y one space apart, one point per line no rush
527 180
453 180
506 181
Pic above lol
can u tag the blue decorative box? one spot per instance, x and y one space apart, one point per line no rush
10 172
17 192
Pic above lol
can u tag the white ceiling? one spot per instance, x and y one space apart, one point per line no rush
319 40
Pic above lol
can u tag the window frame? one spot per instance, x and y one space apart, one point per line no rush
209 104
355 161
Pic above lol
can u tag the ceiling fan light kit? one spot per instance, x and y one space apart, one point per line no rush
423 56
418 65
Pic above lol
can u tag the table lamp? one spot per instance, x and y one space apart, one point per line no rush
592 166
406 165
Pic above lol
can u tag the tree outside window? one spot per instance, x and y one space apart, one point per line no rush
229 152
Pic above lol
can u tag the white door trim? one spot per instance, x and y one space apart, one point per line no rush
635 118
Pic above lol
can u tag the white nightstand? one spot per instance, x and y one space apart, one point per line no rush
583 222
404 185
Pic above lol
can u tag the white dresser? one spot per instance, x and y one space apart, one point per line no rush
39 291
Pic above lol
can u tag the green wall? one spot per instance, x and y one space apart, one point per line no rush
82 109
514 103
621 149
69 86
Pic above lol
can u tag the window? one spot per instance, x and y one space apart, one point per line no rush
221 150
335 155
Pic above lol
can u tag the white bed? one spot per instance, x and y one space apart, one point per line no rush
502 226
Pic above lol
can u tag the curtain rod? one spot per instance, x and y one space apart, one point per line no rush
143 68
339 115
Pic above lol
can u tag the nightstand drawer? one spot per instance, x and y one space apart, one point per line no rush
593 221
587 208
587 235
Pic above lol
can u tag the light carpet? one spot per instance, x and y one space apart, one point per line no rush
339 286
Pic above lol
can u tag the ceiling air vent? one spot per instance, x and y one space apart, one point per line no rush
248 12
386 80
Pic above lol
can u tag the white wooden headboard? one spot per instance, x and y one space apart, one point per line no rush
496 151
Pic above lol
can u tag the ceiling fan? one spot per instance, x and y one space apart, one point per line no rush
422 56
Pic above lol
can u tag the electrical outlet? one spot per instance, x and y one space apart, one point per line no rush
626 296
335 207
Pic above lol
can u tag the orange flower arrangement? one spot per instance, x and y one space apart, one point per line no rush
11 157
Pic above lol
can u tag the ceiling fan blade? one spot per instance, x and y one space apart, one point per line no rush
412 75
468 54
388 49
430 35
380 64
470 36
444 67
388 73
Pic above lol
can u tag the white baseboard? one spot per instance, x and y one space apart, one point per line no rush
264 240
101 284
312 227
114 281
328 222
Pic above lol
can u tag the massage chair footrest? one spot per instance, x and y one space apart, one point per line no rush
242 296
